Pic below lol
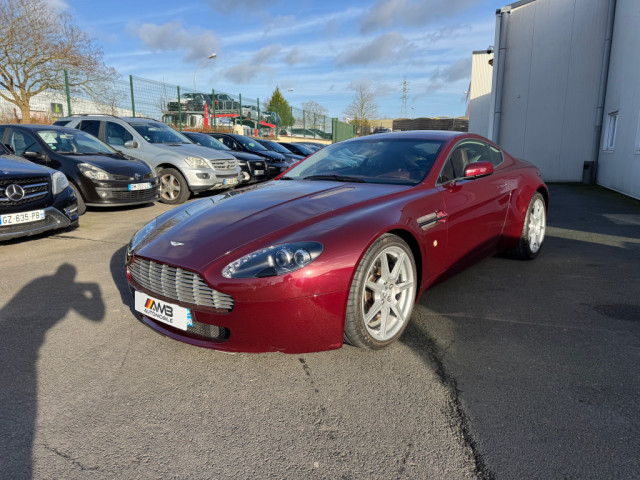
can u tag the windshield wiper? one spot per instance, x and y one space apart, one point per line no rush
337 178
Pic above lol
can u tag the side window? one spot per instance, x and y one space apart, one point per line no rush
92 127
22 142
116 134
496 155
229 143
476 152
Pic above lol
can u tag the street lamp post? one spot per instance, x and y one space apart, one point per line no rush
210 57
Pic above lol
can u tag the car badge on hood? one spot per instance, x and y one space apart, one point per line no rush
176 244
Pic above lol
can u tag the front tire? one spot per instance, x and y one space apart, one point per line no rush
173 186
82 207
533 230
382 294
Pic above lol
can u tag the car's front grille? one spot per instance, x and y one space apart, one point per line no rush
177 284
224 164
148 194
127 178
34 189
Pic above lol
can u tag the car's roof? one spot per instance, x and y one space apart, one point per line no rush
37 126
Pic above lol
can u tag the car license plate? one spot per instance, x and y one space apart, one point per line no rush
229 181
139 186
174 315
23 217
258 172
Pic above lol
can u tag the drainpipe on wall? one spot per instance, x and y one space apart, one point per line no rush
590 175
500 53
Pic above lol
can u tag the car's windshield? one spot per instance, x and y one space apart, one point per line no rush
251 144
72 141
156 132
276 147
208 141
403 161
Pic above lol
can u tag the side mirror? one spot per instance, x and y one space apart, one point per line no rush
34 156
131 144
10 148
478 169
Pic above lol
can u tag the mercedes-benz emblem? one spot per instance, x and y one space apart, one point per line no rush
137 176
14 192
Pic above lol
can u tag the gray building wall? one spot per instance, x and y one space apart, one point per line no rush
552 62
480 93
619 169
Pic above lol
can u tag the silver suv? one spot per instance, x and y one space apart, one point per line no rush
182 166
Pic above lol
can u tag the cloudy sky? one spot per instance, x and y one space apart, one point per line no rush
320 49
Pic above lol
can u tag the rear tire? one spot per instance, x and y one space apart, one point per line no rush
82 207
382 294
533 230
173 186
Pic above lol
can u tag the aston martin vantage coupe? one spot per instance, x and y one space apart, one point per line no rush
339 247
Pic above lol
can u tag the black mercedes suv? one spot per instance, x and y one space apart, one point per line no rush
33 199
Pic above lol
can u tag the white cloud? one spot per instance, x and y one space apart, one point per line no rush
412 13
58 5
196 43
384 48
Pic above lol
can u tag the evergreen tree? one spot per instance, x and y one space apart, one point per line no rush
278 104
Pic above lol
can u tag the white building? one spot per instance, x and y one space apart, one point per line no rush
565 91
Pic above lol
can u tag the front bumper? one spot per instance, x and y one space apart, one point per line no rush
293 325
54 219
204 179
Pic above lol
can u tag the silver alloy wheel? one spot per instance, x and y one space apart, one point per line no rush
388 293
537 225
169 186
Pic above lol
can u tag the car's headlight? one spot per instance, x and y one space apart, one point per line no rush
59 182
196 162
140 235
93 172
274 260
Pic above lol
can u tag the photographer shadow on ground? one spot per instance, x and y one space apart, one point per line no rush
25 321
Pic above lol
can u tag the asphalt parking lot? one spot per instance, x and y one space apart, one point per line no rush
509 370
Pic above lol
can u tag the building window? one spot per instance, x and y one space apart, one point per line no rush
610 132
637 147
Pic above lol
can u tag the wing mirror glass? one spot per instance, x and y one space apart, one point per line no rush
478 169
130 144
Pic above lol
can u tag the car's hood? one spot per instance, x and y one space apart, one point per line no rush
278 157
246 156
113 165
13 167
205 230
187 149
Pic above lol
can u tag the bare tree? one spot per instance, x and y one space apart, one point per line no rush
36 45
363 107
314 114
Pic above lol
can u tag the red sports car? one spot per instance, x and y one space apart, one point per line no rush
339 248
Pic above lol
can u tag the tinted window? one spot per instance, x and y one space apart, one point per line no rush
22 142
228 142
251 144
116 134
92 127
61 123
396 161
207 141
496 155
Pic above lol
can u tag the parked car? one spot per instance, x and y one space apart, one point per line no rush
315 146
100 175
33 199
297 149
254 168
182 167
340 248
190 102
276 163
276 147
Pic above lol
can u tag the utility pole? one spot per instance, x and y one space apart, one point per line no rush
405 91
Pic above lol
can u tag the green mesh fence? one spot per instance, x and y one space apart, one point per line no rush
182 107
